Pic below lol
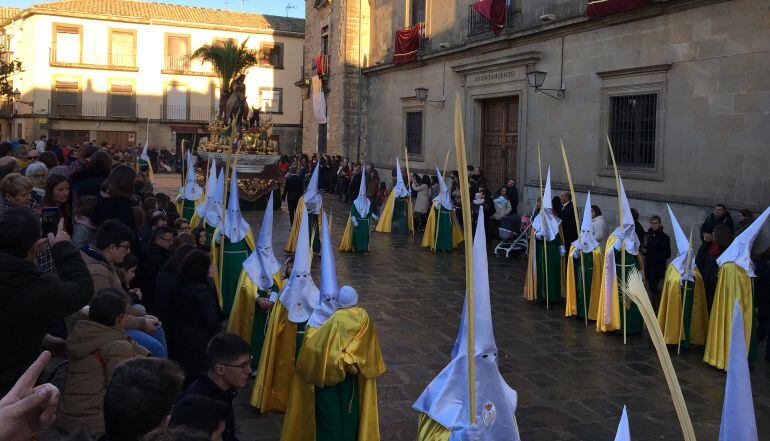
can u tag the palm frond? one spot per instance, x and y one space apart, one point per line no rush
228 59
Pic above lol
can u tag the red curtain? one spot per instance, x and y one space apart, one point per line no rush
494 11
600 8
320 66
407 44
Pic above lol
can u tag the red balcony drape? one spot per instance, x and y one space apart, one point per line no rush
320 64
407 44
600 8
494 11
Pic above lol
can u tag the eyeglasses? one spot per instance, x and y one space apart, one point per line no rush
245 365
126 247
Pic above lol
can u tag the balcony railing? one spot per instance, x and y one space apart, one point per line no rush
92 59
186 113
92 109
480 27
185 65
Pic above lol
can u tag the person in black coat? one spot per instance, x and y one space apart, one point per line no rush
165 284
88 181
513 195
355 185
293 189
568 224
154 256
657 250
30 299
720 216
229 358
197 315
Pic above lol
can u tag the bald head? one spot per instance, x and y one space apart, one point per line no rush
565 197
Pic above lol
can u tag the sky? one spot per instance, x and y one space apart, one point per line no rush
273 7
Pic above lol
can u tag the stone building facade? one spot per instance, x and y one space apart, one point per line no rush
682 87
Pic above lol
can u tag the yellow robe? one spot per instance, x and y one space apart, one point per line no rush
429 430
242 315
596 284
429 237
386 217
345 344
670 309
614 325
346 245
291 242
733 284
215 259
530 281
276 363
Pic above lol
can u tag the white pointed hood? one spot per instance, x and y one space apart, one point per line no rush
740 250
262 264
211 188
211 210
400 187
624 431
545 223
445 400
739 422
300 295
586 242
443 198
236 227
144 156
312 186
191 190
627 231
682 246
329 295
362 203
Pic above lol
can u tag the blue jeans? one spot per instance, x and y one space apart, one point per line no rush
155 341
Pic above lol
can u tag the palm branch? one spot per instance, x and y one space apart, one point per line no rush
228 59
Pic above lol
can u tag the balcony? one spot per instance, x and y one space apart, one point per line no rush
6 109
92 110
479 27
186 113
93 60
185 66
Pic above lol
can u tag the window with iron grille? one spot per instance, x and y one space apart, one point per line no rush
414 133
322 131
632 129
272 55
121 100
65 98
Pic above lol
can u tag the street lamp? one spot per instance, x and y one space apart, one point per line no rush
536 78
421 93
17 98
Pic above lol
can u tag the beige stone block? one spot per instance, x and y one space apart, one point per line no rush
746 103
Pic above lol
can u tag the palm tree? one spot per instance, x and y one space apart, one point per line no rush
229 60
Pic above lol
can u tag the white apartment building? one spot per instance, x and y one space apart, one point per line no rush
115 70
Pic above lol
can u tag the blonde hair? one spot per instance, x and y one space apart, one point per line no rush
15 184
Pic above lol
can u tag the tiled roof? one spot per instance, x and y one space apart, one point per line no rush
8 12
132 9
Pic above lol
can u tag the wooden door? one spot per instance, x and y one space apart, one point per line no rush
500 140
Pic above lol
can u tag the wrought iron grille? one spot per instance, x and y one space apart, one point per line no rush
632 126
322 138
478 25
414 132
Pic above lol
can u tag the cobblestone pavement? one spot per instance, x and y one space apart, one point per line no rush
572 382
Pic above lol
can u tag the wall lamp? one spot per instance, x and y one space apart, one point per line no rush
536 78
421 94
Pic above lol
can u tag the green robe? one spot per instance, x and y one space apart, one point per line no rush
687 302
337 411
361 231
259 328
209 232
634 317
299 338
234 255
398 223
443 229
315 234
144 166
553 265
588 258
188 209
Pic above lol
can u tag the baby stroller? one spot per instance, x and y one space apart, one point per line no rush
514 235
